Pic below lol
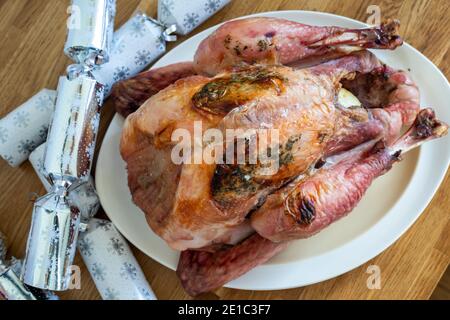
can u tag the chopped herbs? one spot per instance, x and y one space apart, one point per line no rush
221 95
263 45
286 154
232 182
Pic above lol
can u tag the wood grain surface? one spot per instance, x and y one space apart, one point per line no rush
31 58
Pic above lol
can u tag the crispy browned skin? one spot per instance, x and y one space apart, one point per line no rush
194 218
195 205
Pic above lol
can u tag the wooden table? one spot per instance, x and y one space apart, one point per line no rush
31 56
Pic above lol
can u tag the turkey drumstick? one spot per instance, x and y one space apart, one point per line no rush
201 271
314 203
279 41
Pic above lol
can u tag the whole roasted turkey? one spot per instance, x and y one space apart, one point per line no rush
255 73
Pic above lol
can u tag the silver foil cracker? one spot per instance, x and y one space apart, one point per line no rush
52 242
70 150
73 132
84 195
91 28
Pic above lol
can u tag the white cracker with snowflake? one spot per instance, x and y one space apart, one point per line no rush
188 14
135 45
114 269
25 128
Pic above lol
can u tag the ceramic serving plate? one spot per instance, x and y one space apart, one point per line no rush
388 209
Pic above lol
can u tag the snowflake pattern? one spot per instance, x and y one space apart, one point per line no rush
146 294
9 159
128 271
107 89
21 119
111 294
43 132
191 20
3 135
103 224
212 6
142 58
40 165
118 47
167 6
137 29
26 146
98 271
121 73
116 246
44 104
85 245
